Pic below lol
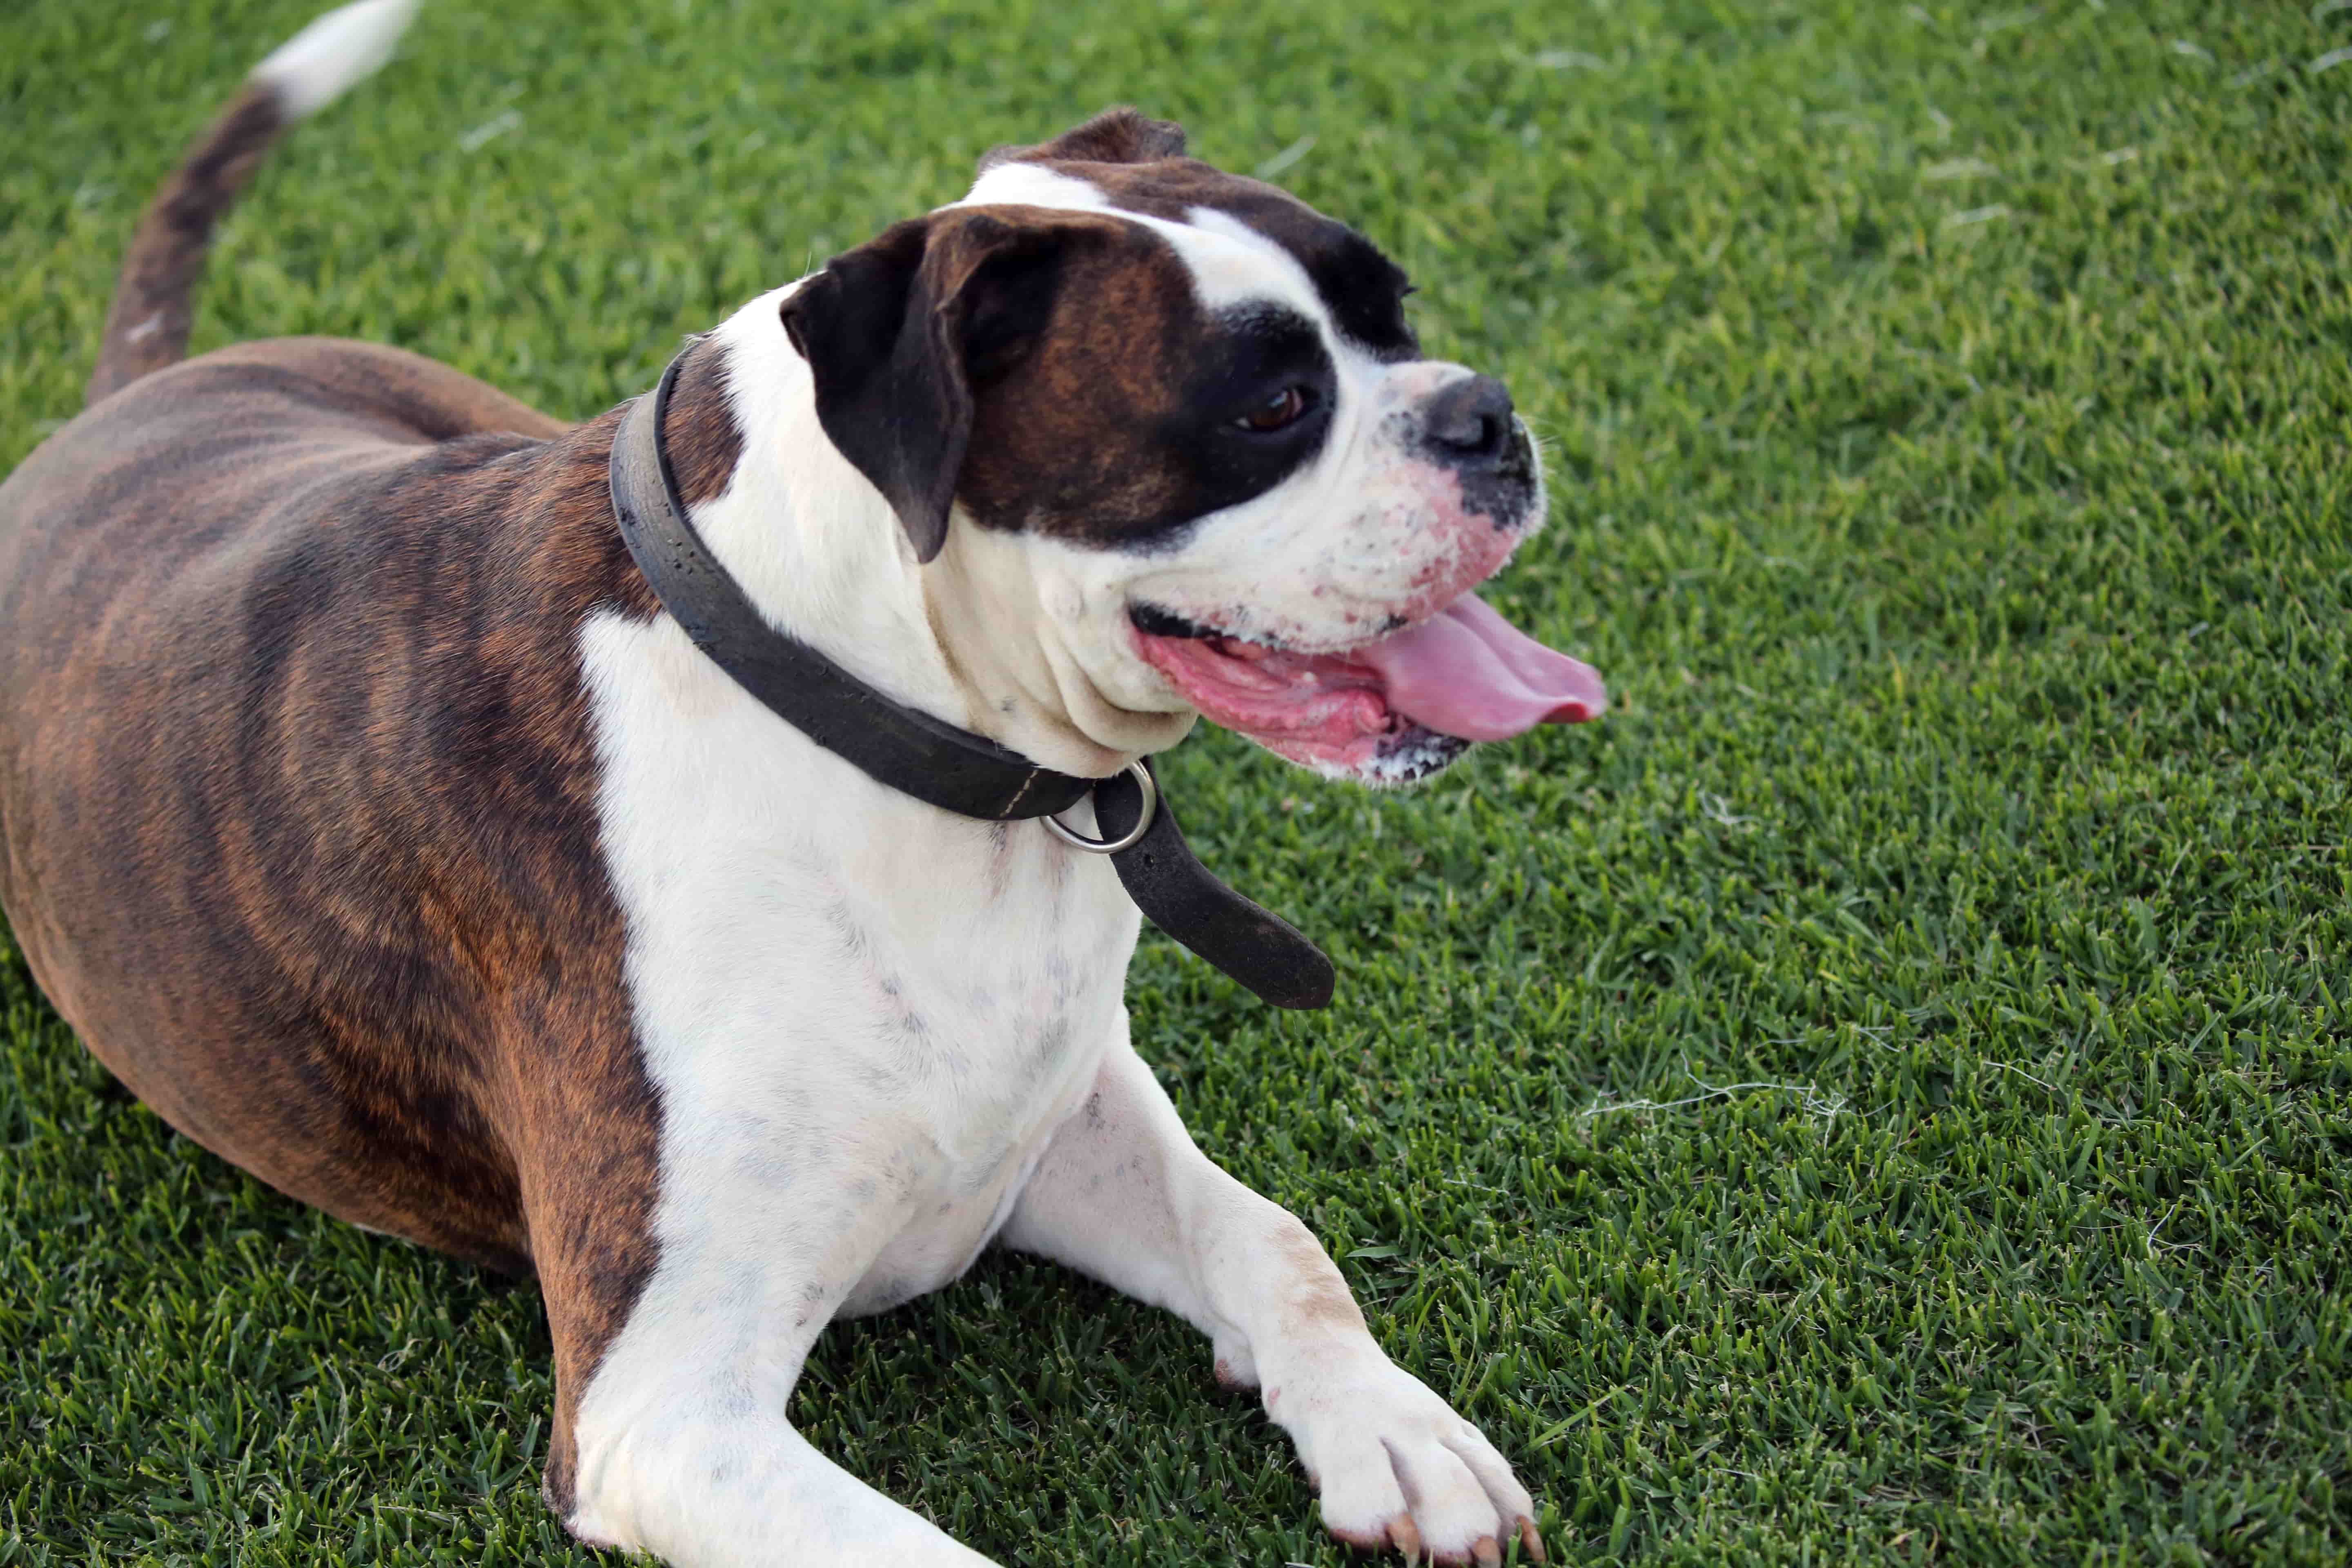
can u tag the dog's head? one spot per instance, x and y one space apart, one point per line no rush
1188 414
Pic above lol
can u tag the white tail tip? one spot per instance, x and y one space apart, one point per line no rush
342 48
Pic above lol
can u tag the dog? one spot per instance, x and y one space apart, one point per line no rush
367 813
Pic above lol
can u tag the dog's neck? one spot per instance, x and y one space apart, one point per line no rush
965 638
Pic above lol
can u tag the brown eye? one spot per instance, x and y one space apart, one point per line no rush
1275 412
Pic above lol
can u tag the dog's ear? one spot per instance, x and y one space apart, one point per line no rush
1120 136
901 332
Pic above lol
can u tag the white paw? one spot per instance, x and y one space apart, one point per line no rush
1398 1468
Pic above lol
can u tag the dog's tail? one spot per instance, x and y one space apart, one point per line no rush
147 325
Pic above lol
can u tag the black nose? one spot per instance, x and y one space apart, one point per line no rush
1469 423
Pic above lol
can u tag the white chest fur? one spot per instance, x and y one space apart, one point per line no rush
864 1016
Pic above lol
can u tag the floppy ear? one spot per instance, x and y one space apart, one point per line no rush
1120 136
897 332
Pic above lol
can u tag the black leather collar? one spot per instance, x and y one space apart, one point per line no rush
904 747
925 757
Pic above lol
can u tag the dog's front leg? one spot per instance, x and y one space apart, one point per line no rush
718 1486
1123 1195
679 1444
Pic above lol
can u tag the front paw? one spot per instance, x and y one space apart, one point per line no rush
1398 1468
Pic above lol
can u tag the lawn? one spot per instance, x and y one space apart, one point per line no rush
1883 1094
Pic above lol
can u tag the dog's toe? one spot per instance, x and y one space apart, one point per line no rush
1397 1467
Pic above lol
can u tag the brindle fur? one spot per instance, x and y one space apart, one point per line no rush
297 794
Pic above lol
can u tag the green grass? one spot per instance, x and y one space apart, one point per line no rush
1883 1095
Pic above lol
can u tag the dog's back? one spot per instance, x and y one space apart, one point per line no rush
238 589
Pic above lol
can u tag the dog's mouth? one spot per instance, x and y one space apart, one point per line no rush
1393 708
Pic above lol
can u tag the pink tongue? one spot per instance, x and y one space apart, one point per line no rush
1470 673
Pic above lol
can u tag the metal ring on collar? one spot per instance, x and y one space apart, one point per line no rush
1133 836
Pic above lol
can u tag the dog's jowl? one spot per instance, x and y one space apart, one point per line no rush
367 810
